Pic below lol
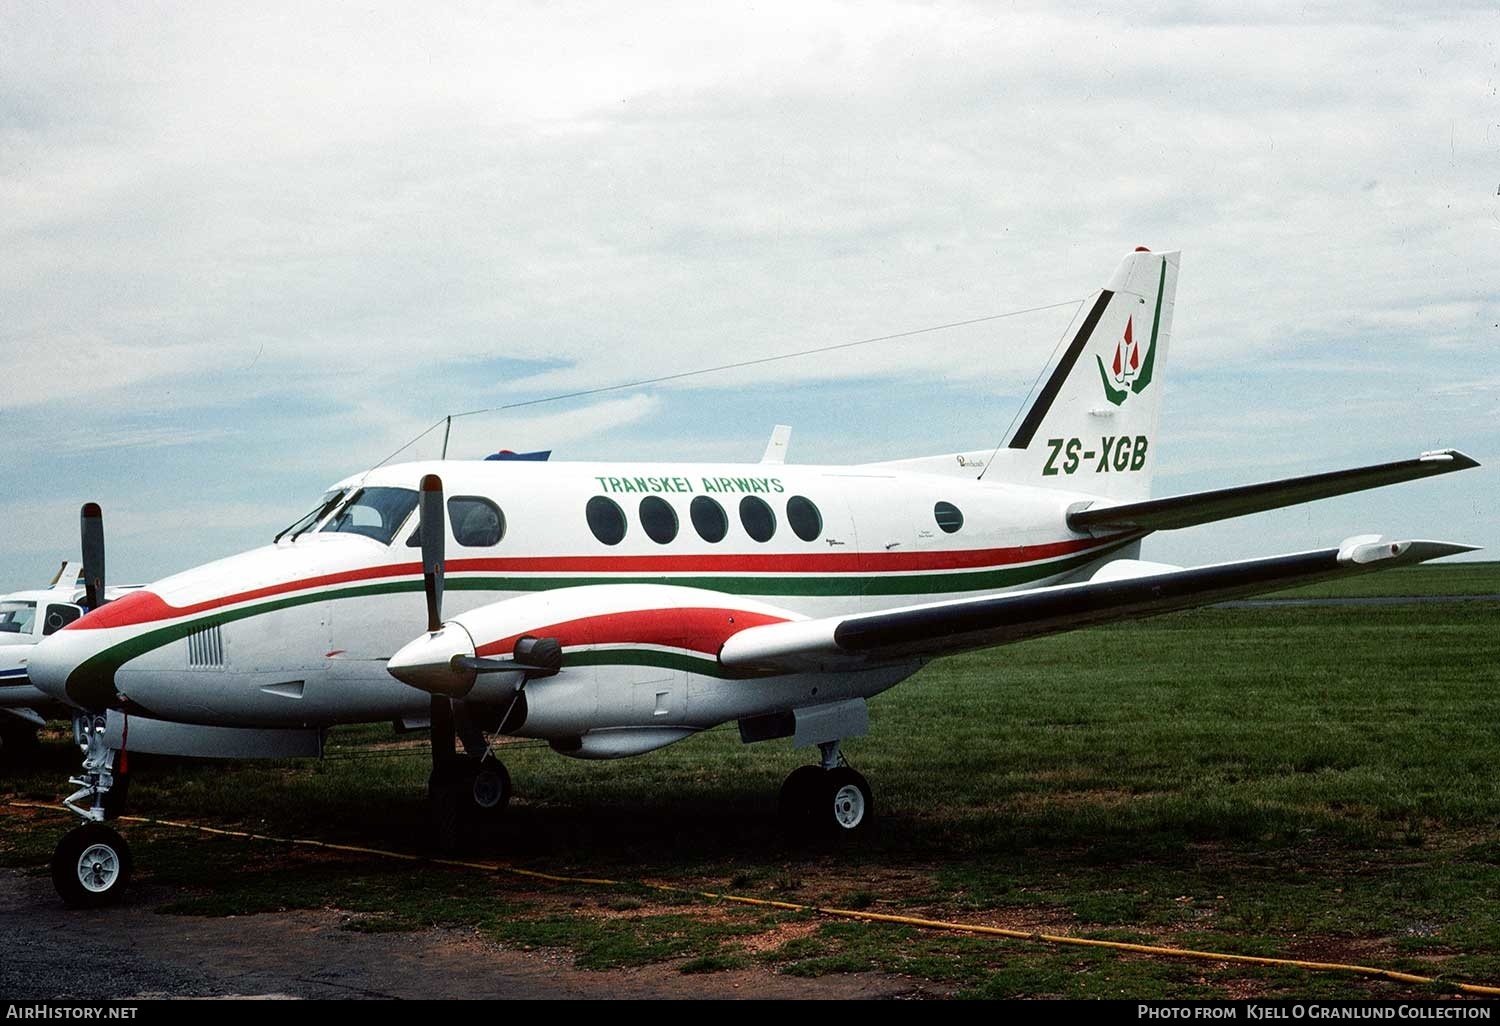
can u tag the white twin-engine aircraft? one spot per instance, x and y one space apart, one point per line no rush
612 609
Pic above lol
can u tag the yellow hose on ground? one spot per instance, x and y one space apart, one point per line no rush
839 913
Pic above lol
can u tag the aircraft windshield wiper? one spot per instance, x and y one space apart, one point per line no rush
303 524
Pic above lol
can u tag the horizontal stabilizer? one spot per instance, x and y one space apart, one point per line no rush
942 627
1223 503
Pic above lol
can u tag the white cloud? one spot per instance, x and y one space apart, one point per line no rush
343 218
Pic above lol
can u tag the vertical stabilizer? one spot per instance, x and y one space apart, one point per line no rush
1091 424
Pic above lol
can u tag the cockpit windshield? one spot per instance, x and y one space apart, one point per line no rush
16 619
322 509
374 512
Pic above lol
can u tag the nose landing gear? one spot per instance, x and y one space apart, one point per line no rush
91 866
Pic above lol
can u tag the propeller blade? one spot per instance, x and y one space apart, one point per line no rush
479 664
434 533
92 530
441 717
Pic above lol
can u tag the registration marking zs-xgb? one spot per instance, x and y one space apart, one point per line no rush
1115 452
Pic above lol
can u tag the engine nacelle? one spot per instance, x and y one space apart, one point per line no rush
628 651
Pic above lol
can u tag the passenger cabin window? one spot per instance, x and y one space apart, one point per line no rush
759 520
606 520
477 523
709 519
803 516
16 618
59 616
374 512
948 517
658 519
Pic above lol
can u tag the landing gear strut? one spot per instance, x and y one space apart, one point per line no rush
91 865
463 790
829 800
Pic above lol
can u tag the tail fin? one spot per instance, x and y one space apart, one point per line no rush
1091 426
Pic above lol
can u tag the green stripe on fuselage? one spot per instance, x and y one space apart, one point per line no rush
91 684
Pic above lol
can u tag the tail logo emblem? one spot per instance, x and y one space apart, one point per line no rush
1130 372
1127 357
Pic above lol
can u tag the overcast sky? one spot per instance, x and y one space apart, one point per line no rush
246 250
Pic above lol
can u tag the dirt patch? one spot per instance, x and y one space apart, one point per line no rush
130 951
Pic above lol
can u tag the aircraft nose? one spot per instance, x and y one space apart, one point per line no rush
62 667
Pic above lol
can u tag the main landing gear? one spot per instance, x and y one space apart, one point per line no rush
829 800
464 791
91 866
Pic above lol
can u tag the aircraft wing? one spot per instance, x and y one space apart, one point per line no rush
1223 503
851 642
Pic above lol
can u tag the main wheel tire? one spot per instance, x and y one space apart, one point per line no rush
795 802
842 804
490 787
91 866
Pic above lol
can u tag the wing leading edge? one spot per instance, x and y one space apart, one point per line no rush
942 627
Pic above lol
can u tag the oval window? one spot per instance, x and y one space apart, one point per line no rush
804 518
658 519
948 517
606 520
709 519
759 521
477 523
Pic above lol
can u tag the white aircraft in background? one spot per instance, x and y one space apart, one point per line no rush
612 609
26 617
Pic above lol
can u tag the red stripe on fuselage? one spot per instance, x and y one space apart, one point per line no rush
147 606
140 607
700 630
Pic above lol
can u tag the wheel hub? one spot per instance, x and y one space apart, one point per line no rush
848 806
98 867
489 789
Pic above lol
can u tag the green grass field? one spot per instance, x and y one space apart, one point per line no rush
1309 782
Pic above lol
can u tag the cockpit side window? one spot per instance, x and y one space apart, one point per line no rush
16 618
374 512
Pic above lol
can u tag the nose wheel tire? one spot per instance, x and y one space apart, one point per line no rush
91 866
